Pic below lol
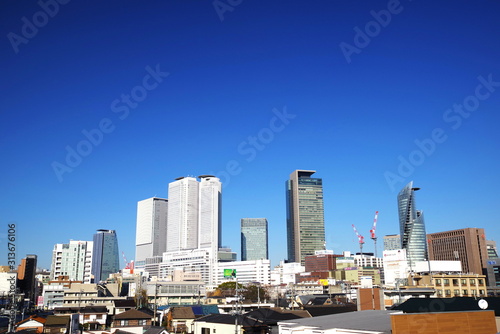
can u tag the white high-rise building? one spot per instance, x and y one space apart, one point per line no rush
151 229
209 235
182 222
73 259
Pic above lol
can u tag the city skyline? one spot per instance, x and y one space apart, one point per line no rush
108 102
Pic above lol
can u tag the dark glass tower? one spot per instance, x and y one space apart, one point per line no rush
254 242
105 257
305 215
411 226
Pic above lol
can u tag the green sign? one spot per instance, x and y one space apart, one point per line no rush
229 273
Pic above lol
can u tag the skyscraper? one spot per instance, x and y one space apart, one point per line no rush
305 215
411 226
182 222
210 213
151 229
73 259
105 255
466 245
194 213
254 240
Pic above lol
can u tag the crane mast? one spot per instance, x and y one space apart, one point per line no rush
372 232
361 240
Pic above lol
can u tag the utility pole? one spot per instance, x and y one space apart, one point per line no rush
155 305
236 312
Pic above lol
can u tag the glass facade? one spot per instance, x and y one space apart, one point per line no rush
105 257
254 239
411 226
305 215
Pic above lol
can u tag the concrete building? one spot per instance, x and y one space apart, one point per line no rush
411 225
305 215
466 245
247 271
254 239
73 260
151 229
392 242
321 262
26 282
285 273
491 246
105 255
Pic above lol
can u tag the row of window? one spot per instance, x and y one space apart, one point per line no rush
463 281
457 293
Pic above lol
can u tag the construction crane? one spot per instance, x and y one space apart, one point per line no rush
127 264
372 232
361 240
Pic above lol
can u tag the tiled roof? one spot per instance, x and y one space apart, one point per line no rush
57 320
132 314
182 312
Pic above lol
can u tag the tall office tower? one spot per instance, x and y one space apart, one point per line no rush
491 246
305 215
392 242
254 240
73 259
411 226
26 278
151 229
182 221
210 213
105 255
467 245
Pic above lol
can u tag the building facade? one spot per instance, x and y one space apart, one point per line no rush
466 245
392 242
194 214
254 239
305 215
105 255
151 229
411 225
74 260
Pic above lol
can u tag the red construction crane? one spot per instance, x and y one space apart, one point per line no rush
372 232
127 265
361 240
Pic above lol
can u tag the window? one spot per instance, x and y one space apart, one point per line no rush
438 281
142 322
472 281
455 281
439 293
480 282
447 292
465 292
456 292
123 322
481 292
464 281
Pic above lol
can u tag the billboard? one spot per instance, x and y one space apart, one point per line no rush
229 273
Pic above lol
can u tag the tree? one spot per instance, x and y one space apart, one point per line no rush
253 292
141 298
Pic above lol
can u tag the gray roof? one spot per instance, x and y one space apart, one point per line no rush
371 320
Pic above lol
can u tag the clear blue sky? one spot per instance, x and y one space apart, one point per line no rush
358 94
